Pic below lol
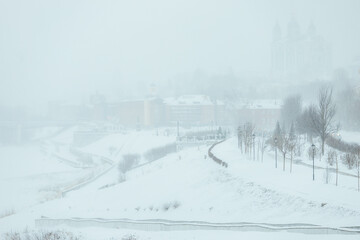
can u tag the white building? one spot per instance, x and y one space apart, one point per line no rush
263 113
193 110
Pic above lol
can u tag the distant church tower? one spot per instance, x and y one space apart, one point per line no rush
277 58
299 56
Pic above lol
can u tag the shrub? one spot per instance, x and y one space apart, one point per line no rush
166 206
128 161
331 157
349 160
160 152
41 235
342 146
176 204
6 213
129 237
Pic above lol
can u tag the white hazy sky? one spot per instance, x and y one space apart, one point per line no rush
66 49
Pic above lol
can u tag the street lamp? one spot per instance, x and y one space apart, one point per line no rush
313 148
253 145
275 140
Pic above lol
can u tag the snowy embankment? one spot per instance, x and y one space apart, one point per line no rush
189 186
186 186
297 189
33 174
29 176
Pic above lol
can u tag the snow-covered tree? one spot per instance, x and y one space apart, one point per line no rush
291 143
323 119
291 110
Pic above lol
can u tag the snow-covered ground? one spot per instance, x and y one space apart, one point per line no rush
29 176
194 188
94 233
189 186
34 173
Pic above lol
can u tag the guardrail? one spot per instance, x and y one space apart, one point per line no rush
213 157
168 225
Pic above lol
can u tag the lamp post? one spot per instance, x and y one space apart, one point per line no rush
313 148
253 136
275 140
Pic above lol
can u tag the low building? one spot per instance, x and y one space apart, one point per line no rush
193 110
139 113
263 113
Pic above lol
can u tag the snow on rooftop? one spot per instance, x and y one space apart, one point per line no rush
189 100
259 104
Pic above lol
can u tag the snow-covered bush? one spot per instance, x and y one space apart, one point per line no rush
331 157
6 213
342 146
128 161
129 237
40 235
349 159
160 152
166 206
126 237
176 204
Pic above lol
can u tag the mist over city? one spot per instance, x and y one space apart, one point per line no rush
179 119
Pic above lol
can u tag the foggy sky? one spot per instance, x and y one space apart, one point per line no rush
68 49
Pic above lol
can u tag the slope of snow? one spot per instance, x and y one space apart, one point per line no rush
185 186
28 175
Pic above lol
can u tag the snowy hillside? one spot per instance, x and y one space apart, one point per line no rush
189 186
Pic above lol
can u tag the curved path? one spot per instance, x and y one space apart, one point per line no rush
216 159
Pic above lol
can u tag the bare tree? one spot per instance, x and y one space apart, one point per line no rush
277 131
358 168
291 144
291 110
349 107
283 141
127 162
331 159
240 138
337 169
304 122
262 145
247 135
323 119
358 172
